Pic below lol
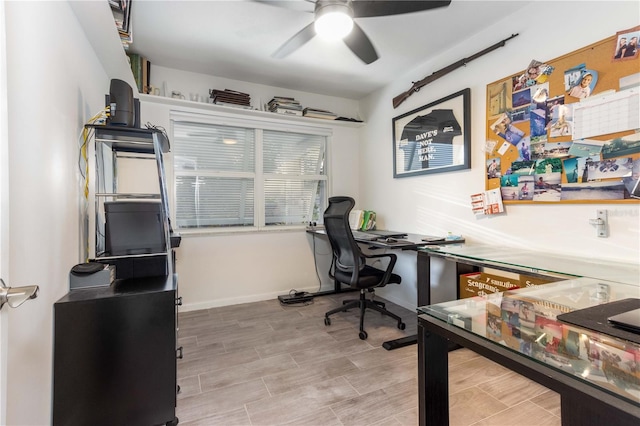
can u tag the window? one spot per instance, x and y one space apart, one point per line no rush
245 174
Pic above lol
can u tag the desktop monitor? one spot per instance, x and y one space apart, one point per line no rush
134 227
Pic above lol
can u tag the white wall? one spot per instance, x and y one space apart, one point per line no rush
225 269
435 204
189 83
55 83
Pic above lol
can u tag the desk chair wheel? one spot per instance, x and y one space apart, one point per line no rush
363 335
402 325
327 321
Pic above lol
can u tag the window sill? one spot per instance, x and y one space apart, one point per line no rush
239 231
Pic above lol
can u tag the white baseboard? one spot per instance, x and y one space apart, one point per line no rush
216 303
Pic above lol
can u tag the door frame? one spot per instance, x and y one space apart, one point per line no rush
4 212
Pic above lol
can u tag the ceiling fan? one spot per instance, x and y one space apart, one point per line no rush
329 15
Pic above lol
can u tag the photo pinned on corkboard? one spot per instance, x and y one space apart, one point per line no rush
627 44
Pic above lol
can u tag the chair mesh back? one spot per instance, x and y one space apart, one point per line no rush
346 253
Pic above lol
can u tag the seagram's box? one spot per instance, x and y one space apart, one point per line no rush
482 283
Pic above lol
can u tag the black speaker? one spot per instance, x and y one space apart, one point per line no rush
121 102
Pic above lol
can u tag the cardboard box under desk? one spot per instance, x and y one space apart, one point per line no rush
482 283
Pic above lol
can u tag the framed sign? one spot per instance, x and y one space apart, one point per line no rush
434 138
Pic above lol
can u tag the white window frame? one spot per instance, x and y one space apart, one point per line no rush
259 177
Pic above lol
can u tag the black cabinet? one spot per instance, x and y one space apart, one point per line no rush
115 354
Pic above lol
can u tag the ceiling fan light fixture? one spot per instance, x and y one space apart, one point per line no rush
333 21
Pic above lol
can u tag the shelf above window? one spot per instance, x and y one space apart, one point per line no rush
245 112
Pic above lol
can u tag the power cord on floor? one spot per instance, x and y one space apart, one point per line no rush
296 298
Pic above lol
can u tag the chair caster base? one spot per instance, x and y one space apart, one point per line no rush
402 325
327 321
363 335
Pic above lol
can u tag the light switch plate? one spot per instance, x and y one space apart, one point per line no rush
602 228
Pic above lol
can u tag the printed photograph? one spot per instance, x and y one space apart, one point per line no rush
539 96
548 166
582 81
557 149
547 187
552 104
525 187
524 149
494 322
520 114
572 76
613 168
618 147
593 191
587 147
493 168
527 315
542 150
523 168
571 170
537 149
632 183
627 44
504 128
499 98
521 98
548 334
561 123
538 128
509 187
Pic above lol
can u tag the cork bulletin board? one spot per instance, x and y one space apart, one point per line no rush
567 130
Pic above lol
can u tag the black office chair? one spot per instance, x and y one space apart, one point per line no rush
348 265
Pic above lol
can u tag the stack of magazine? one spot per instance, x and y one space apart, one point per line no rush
231 98
319 113
121 10
284 105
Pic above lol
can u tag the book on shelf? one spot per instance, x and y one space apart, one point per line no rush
231 97
232 105
284 105
287 111
319 113
121 10
145 75
140 68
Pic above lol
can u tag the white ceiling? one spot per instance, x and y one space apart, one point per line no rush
235 39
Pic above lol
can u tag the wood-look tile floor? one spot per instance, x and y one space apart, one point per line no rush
266 364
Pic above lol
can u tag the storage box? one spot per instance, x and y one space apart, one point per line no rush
97 279
481 283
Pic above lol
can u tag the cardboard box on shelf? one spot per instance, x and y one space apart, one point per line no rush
481 283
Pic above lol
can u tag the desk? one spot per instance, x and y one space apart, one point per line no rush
410 242
578 363
432 334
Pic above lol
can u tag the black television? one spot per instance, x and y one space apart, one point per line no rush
133 228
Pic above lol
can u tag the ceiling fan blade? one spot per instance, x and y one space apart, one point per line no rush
371 8
299 6
360 44
295 42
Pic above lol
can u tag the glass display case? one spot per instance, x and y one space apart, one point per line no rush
526 321
537 262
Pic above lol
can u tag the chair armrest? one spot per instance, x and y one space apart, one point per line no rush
392 262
